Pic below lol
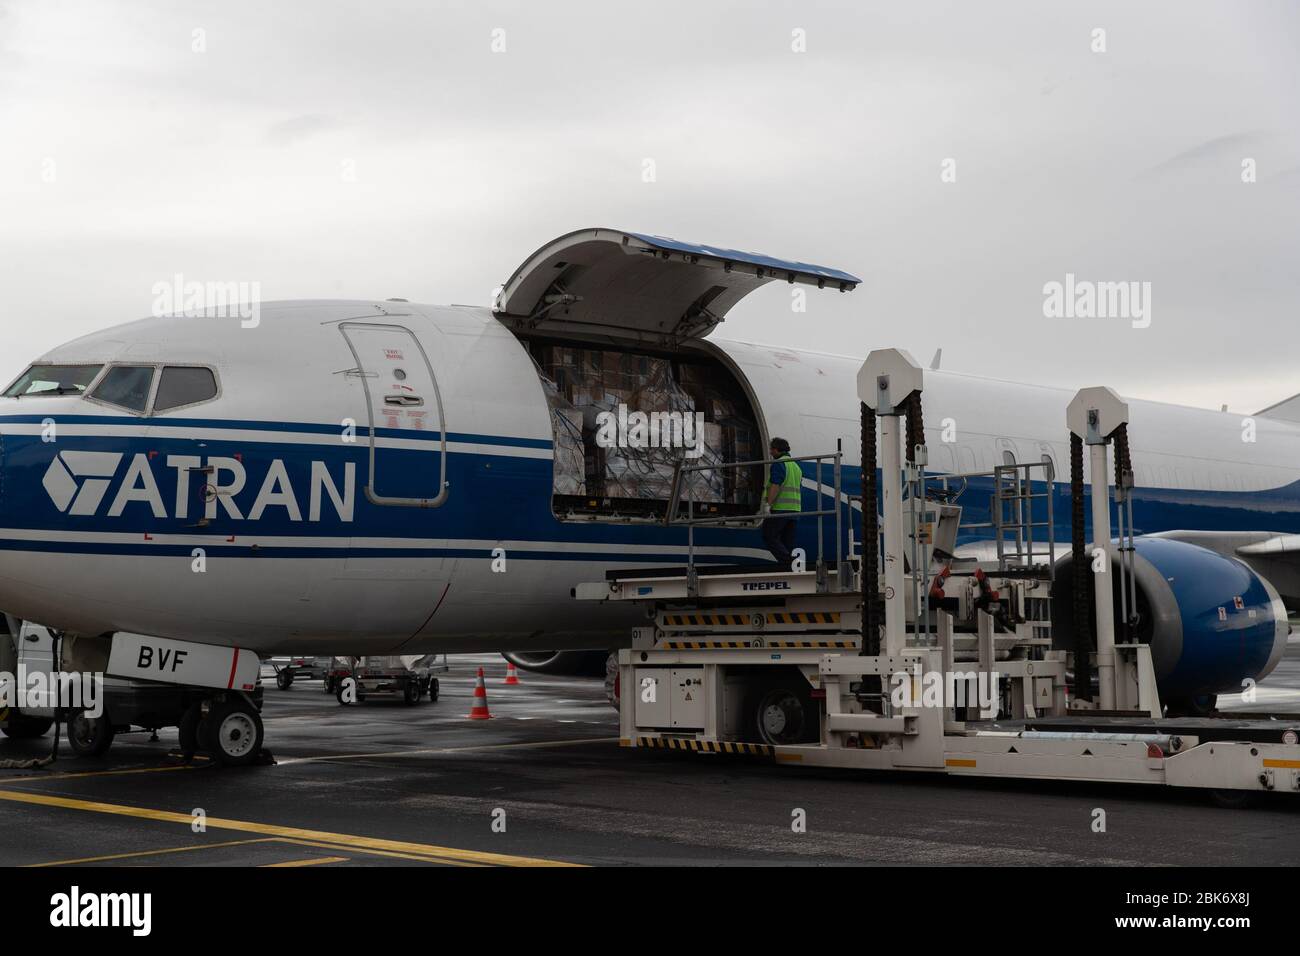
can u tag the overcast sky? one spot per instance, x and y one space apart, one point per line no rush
373 149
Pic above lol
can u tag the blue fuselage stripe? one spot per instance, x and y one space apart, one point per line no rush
303 428
493 497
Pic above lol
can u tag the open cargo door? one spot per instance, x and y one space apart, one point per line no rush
649 288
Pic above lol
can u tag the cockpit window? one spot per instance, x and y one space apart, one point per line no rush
126 386
183 385
53 380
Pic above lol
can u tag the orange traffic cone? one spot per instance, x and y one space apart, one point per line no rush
512 676
480 709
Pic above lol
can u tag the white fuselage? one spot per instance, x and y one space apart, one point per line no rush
246 520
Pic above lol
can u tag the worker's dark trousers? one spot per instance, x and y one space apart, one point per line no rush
778 535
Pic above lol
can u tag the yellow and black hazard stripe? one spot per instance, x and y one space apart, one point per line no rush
791 644
746 620
705 746
804 617
707 620
701 645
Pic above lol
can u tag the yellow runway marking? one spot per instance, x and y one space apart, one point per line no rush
32 778
316 861
449 750
229 843
442 861
294 833
139 853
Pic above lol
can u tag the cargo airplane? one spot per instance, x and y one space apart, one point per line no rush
379 477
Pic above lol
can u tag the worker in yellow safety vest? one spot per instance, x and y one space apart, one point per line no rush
784 496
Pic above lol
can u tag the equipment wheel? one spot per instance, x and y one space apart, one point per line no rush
782 713
232 732
89 736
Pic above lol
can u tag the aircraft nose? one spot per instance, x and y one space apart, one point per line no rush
25 573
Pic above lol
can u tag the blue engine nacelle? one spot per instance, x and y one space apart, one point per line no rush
1210 620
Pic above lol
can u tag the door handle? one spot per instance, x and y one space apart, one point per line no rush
405 401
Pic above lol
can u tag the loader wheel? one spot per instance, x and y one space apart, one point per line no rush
21 727
232 732
411 692
90 736
284 679
780 715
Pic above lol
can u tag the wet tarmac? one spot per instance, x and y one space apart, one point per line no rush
545 782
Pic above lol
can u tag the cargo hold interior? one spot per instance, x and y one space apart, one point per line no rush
696 411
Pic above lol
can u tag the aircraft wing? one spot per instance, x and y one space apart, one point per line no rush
1287 410
1276 546
1272 555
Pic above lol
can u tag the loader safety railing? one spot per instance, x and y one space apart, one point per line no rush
829 465
1021 519
1021 525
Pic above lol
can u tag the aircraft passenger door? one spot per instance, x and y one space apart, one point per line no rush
402 402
